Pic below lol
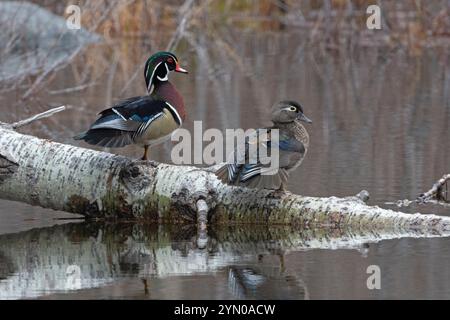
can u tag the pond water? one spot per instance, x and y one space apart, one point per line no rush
381 119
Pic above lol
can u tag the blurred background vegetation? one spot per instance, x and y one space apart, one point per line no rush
412 22
333 25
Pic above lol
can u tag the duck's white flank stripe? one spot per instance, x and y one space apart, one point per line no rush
147 124
144 126
175 111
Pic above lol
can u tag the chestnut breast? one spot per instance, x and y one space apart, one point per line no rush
169 93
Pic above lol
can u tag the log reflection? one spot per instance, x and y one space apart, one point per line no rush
88 255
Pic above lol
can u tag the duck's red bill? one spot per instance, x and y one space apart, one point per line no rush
180 69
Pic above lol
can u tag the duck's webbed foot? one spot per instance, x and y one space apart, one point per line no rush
281 191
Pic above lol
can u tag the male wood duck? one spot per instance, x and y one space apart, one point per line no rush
143 120
292 146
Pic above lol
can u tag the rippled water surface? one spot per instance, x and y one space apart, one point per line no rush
381 120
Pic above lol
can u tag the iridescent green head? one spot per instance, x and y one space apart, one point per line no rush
158 67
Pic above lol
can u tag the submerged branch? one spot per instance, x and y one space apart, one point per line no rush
438 194
438 191
202 214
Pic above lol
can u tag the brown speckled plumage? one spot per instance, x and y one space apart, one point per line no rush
292 146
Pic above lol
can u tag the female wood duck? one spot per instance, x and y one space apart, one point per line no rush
292 146
144 120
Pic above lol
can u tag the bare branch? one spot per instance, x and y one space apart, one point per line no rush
39 116
57 65
436 192
73 89
185 13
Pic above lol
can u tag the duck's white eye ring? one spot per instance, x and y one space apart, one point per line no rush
293 108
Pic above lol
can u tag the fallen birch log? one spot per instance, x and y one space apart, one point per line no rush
106 186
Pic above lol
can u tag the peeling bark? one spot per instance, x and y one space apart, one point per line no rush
102 185
8 166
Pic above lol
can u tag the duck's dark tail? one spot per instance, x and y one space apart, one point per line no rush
222 174
251 176
271 181
110 138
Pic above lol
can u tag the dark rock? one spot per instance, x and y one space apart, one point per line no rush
33 39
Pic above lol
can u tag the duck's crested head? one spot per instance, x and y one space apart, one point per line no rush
158 67
288 111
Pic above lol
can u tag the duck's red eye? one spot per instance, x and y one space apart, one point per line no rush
170 60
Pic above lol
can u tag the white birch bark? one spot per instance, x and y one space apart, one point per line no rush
102 185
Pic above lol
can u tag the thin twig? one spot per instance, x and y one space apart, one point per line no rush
39 116
185 12
53 68
73 89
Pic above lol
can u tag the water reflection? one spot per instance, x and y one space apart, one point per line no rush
76 256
